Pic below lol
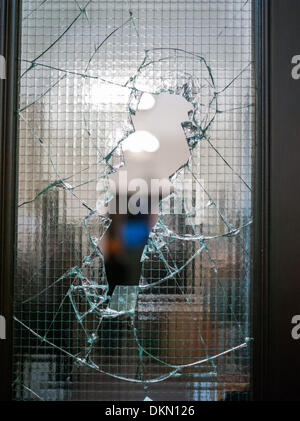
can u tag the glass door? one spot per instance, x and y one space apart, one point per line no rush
135 166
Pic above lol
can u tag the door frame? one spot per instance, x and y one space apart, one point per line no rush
263 355
276 363
10 26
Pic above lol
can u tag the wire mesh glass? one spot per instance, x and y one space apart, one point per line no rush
182 331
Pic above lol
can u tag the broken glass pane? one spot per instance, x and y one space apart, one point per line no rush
183 328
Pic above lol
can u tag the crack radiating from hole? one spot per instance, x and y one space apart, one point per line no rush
84 288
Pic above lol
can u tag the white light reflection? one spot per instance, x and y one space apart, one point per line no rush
147 102
141 141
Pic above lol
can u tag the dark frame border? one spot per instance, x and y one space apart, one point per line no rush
260 277
10 11
9 48
276 291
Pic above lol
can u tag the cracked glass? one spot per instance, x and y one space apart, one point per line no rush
181 330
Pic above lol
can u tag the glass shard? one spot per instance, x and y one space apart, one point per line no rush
182 330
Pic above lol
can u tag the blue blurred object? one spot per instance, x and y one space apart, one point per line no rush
135 233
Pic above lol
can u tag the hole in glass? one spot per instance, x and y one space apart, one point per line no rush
155 151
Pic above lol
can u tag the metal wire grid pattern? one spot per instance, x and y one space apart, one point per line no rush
62 350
